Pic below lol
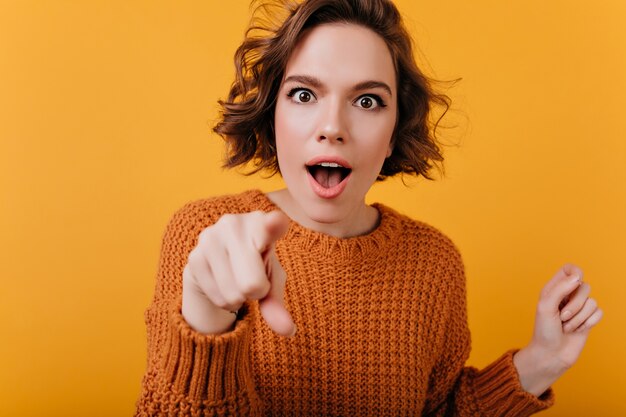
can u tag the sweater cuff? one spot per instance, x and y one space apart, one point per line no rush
203 367
500 392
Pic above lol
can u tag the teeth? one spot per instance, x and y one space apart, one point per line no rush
330 165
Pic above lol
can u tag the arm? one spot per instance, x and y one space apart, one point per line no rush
189 373
456 390
565 315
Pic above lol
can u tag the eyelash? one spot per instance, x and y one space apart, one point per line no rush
294 90
379 101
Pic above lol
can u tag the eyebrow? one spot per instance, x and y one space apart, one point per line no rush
316 83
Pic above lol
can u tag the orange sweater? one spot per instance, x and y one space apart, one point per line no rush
382 330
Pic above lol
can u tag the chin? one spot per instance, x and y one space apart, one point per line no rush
325 218
327 211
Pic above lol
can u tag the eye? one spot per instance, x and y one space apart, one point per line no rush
301 95
370 102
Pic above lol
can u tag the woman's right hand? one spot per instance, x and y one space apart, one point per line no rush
234 261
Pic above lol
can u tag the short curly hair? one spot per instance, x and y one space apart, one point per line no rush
247 116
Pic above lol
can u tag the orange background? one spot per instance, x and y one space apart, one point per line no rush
105 110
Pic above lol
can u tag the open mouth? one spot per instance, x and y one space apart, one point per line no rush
328 174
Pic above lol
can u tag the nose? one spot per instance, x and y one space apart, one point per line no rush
332 123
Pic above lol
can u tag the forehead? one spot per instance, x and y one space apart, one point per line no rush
342 53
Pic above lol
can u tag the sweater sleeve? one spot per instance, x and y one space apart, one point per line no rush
457 390
189 373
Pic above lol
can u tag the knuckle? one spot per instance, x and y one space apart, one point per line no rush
592 303
218 301
229 226
595 318
194 257
228 220
206 235
255 288
586 288
543 306
204 232
233 301
256 215
600 314
208 242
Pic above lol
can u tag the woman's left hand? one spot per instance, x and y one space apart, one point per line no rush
565 315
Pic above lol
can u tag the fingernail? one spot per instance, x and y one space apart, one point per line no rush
565 315
295 329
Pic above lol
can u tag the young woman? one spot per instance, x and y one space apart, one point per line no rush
307 301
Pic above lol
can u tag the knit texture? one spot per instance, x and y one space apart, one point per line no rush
382 330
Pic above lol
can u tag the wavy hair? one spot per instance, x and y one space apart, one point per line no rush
247 116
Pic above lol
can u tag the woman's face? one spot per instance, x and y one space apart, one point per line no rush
335 116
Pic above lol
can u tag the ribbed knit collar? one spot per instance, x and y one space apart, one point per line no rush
379 239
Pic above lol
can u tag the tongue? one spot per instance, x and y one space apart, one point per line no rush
328 177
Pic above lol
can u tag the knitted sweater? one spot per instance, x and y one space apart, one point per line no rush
382 330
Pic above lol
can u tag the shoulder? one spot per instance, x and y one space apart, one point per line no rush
212 208
416 232
196 215
423 244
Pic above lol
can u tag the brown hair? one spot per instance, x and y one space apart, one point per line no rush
247 122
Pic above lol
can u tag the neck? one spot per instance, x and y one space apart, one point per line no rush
359 221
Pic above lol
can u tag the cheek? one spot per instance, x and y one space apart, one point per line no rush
292 125
375 137
282 130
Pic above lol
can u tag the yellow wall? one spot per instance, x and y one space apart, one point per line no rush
104 115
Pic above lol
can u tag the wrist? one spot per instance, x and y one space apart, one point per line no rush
205 317
536 371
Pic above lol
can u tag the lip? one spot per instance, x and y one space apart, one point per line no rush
333 192
336 159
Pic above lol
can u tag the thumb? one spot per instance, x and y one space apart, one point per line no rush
272 307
